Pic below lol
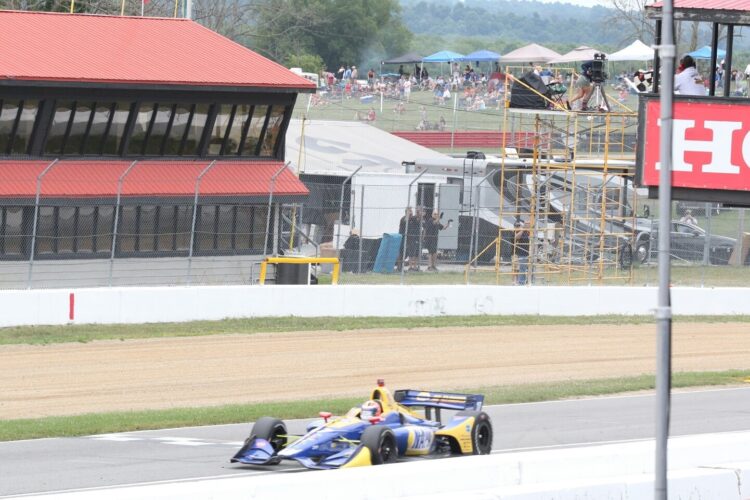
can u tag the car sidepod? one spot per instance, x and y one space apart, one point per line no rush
458 430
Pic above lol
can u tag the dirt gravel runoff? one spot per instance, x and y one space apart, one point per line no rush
103 376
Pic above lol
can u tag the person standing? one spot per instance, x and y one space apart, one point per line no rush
521 251
689 218
432 228
689 81
413 239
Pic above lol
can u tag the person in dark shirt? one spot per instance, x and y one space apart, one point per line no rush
413 236
432 227
521 251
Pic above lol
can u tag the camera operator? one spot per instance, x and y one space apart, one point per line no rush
583 86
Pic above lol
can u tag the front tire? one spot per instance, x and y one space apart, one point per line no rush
481 432
381 441
642 252
272 430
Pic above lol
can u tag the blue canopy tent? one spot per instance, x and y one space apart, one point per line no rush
443 56
481 56
705 53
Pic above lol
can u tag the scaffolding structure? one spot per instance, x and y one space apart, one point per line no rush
566 175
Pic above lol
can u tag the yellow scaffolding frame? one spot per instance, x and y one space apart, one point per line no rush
300 260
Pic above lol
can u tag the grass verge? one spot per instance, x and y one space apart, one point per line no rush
88 333
99 423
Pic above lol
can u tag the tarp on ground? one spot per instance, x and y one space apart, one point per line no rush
408 58
582 53
481 56
340 147
529 54
636 51
705 53
443 56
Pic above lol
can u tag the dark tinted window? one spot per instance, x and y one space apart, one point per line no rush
58 128
8 117
140 128
220 129
25 127
98 129
195 130
117 128
250 146
180 123
273 130
12 232
78 127
159 129
241 115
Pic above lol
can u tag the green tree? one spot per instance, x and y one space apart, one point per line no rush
310 63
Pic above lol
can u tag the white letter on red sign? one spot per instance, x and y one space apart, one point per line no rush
720 146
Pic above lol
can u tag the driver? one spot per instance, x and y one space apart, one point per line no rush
370 409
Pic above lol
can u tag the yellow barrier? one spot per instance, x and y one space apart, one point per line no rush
300 260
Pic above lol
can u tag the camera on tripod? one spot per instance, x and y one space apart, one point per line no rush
597 68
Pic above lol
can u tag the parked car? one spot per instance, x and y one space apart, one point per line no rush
687 242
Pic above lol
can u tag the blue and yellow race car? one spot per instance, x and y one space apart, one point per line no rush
404 423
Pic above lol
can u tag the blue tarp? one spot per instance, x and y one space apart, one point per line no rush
443 56
705 53
481 56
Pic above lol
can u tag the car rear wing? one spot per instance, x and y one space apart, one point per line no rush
443 400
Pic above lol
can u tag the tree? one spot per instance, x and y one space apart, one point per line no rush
631 15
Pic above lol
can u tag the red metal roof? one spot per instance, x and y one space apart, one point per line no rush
99 179
739 5
130 50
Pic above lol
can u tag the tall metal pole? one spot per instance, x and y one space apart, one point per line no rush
195 219
270 205
36 219
664 307
341 205
406 225
117 219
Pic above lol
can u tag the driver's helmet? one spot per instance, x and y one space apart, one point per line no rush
370 409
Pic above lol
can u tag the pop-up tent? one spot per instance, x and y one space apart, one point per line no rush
408 58
636 51
705 53
443 56
530 54
481 56
582 53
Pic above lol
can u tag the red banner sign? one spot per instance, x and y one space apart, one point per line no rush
710 146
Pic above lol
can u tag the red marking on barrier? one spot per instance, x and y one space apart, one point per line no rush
72 307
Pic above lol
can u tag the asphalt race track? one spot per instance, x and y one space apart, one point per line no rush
45 465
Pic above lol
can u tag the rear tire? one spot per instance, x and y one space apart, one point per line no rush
481 432
272 430
381 441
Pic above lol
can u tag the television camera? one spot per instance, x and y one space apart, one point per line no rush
597 68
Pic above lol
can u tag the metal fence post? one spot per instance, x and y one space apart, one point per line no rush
341 205
195 218
117 219
361 225
406 225
270 205
36 219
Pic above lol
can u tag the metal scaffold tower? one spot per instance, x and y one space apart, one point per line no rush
567 177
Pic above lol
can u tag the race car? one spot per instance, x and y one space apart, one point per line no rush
379 431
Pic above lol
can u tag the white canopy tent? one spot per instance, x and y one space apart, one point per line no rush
531 53
636 51
582 53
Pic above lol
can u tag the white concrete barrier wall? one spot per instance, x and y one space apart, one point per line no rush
708 467
175 304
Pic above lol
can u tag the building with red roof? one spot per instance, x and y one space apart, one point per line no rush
125 137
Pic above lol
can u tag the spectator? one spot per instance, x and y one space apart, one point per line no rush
688 218
521 251
347 74
401 71
432 228
689 81
371 77
354 74
413 239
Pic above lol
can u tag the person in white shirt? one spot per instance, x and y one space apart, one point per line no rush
689 81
